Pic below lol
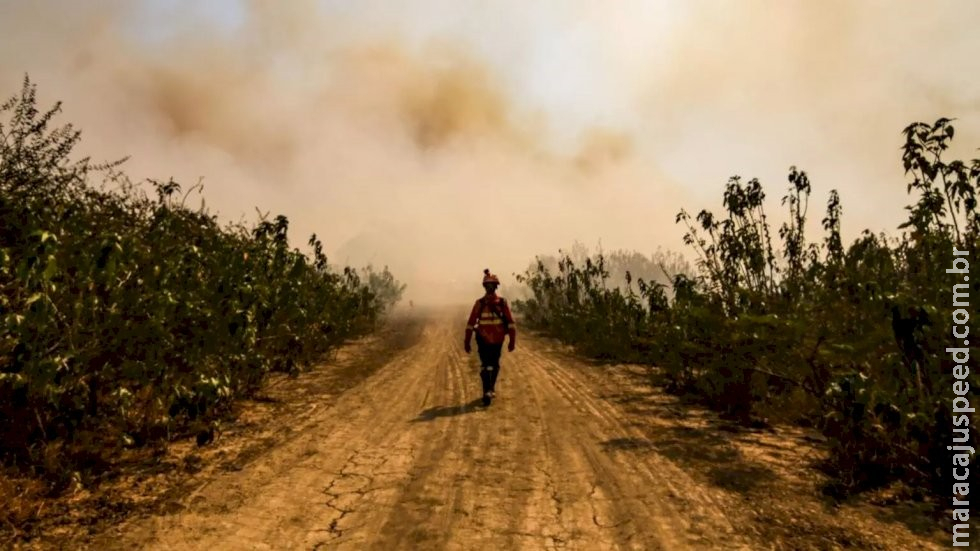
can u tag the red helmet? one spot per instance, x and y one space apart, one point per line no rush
490 278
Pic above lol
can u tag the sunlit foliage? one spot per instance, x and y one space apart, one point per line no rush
127 317
849 339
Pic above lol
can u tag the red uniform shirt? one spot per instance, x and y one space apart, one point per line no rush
487 319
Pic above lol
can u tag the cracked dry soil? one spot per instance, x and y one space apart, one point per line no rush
570 456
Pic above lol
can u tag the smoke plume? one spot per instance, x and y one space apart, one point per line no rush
440 141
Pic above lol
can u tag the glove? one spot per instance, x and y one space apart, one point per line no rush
510 346
466 347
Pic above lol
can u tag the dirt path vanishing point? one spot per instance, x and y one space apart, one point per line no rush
570 456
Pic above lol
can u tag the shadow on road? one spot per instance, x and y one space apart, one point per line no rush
724 466
448 411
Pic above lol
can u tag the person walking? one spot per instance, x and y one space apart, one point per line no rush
491 320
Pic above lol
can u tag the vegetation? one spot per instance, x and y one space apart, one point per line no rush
598 287
850 339
621 266
126 319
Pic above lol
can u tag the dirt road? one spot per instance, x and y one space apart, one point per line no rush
565 458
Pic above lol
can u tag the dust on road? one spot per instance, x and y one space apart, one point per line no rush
563 459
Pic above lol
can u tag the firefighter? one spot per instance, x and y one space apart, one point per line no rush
491 320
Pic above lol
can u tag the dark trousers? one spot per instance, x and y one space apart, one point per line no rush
489 363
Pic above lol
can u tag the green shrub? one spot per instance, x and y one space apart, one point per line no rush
125 318
852 338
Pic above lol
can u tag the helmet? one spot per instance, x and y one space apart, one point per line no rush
490 278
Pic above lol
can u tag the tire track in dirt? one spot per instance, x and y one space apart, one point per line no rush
497 494
302 493
424 511
407 459
658 501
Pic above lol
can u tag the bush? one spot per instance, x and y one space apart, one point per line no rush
854 338
126 318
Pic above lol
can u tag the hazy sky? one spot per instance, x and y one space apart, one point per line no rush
443 137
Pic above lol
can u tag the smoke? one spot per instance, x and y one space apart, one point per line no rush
827 86
441 141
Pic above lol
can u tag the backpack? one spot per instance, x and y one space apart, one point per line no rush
496 311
